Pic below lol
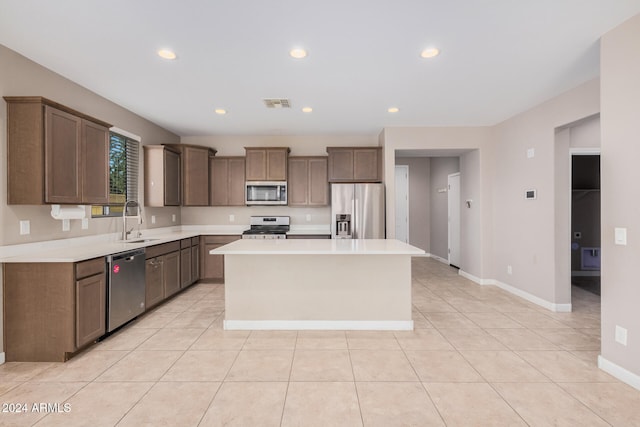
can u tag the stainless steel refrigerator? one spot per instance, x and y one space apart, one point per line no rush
357 211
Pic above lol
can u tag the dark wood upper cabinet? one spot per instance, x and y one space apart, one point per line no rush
227 181
355 164
308 185
95 151
55 154
162 177
266 163
194 163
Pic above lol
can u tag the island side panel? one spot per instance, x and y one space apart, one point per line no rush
355 288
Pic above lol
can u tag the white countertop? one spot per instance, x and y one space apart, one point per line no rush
83 248
318 247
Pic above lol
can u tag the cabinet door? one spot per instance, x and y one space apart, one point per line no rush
366 164
154 288
298 181
212 266
195 263
340 165
318 182
95 165
185 267
172 178
195 174
277 164
219 183
63 157
256 164
236 181
90 309
171 273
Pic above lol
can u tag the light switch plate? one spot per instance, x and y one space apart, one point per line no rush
531 152
232 218
66 224
308 217
621 335
25 227
85 223
173 217
153 219
620 236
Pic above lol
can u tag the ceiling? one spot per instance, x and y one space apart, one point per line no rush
498 58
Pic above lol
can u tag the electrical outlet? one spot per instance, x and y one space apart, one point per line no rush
308 217
25 227
621 335
620 236
173 218
66 224
232 218
85 223
509 269
531 153
153 219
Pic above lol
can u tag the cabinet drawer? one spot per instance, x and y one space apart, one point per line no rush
185 243
165 248
195 240
90 267
219 239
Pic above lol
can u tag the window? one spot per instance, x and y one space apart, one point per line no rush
123 175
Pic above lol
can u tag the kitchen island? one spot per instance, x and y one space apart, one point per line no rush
345 284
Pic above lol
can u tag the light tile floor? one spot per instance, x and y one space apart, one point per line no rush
477 356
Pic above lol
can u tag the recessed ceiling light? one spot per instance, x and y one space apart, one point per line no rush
430 52
298 53
220 111
166 54
307 109
393 109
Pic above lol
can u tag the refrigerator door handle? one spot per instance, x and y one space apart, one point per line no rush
354 218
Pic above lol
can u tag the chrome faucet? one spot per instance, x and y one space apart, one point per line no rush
138 215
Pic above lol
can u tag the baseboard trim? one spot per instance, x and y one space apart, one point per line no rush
475 279
309 325
437 258
619 372
559 308
2 358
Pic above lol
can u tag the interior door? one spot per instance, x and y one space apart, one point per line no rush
453 200
402 203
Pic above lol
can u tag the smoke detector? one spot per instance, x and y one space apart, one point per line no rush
277 103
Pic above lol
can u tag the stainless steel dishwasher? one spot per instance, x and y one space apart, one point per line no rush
126 287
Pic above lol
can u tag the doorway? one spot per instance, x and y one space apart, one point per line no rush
453 203
402 203
585 222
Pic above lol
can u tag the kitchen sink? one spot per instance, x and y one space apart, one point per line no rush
140 240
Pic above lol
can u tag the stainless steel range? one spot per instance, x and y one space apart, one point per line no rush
267 227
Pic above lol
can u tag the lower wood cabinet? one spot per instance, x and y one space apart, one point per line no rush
171 272
212 266
195 259
51 310
90 309
162 272
154 281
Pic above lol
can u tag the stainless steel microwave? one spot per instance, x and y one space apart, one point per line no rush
266 193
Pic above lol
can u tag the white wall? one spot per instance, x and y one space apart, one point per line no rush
620 151
526 231
472 255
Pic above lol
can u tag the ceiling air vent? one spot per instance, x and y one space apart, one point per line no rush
277 103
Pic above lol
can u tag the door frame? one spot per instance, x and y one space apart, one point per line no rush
449 176
577 151
406 168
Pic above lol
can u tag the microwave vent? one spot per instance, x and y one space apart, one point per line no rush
277 103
